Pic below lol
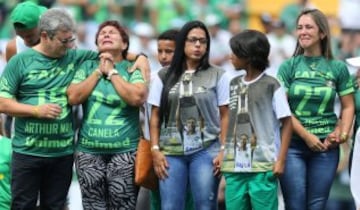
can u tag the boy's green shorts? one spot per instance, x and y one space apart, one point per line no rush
251 191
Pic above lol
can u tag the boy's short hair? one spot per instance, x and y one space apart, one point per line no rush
168 35
252 45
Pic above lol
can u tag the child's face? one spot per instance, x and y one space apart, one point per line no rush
166 50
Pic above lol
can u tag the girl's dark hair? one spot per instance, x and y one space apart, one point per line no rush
178 64
122 31
252 45
322 22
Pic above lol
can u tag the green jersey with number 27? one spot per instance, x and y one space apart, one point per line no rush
312 84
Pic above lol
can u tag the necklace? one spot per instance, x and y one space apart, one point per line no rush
313 66
313 63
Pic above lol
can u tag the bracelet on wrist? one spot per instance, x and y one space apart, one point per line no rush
155 148
344 137
111 73
36 112
98 73
222 147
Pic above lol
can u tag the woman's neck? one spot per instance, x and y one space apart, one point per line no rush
118 59
313 52
190 64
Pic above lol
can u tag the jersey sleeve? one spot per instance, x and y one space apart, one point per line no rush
222 90
11 78
345 83
83 55
85 69
280 104
136 77
156 87
284 75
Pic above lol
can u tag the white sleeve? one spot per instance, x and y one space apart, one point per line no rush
281 104
222 90
355 171
156 87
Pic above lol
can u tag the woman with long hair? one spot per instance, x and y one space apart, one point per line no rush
189 89
312 79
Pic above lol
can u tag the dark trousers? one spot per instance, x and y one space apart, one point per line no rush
49 176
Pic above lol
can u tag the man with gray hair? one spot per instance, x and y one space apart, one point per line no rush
32 89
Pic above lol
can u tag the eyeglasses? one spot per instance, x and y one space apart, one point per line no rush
194 40
66 41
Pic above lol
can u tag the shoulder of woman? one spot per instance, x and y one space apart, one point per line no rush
338 62
289 63
216 68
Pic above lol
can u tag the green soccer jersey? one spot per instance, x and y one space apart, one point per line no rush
312 84
5 159
110 125
32 78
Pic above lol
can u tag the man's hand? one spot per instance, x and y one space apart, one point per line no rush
142 63
49 111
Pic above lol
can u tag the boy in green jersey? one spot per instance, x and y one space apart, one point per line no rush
25 18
